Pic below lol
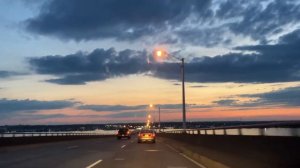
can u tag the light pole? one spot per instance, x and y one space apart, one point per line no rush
183 96
158 118
164 54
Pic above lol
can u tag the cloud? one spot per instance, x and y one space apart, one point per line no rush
100 64
128 19
8 106
259 19
117 108
195 22
226 102
127 114
7 74
112 107
287 97
283 97
198 86
269 63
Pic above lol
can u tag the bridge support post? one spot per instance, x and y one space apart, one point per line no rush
240 131
262 131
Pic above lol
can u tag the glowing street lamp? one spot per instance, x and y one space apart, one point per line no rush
161 53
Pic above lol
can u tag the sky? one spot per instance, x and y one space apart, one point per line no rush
73 61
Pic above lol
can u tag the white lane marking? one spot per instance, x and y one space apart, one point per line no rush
172 148
123 146
72 147
192 160
94 164
188 158
119 159
152 150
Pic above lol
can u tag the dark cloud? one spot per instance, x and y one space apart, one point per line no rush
127 114
118 108
270 63
257 21
143 107
205 37
283 97
100 64
198 86
112 107
291 38
225 102
195 22
130 19
7 74
8 106
288 97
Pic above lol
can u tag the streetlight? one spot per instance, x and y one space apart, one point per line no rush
161 54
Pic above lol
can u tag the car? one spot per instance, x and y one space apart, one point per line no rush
124 133
146 135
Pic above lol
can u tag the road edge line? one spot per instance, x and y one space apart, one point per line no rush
94 164
190 159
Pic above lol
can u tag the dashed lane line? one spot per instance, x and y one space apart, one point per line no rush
123 146
72 147
152 150
94 164
119 159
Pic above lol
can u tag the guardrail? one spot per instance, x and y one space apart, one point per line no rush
240 131
47 134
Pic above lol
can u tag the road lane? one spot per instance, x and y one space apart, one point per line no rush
147 155
60 154
95 153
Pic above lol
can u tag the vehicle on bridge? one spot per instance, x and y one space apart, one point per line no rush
124 133
146 135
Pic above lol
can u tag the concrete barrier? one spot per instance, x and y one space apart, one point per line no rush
238 151
11 141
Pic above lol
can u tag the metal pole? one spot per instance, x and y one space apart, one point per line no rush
183 96
159 118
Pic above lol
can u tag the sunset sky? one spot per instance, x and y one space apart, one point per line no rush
74 61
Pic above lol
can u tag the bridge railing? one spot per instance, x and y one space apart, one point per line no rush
244 131
41 134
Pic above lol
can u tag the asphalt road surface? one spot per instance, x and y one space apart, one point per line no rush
95 153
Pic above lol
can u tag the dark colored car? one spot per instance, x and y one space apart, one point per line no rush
124 133
146 135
